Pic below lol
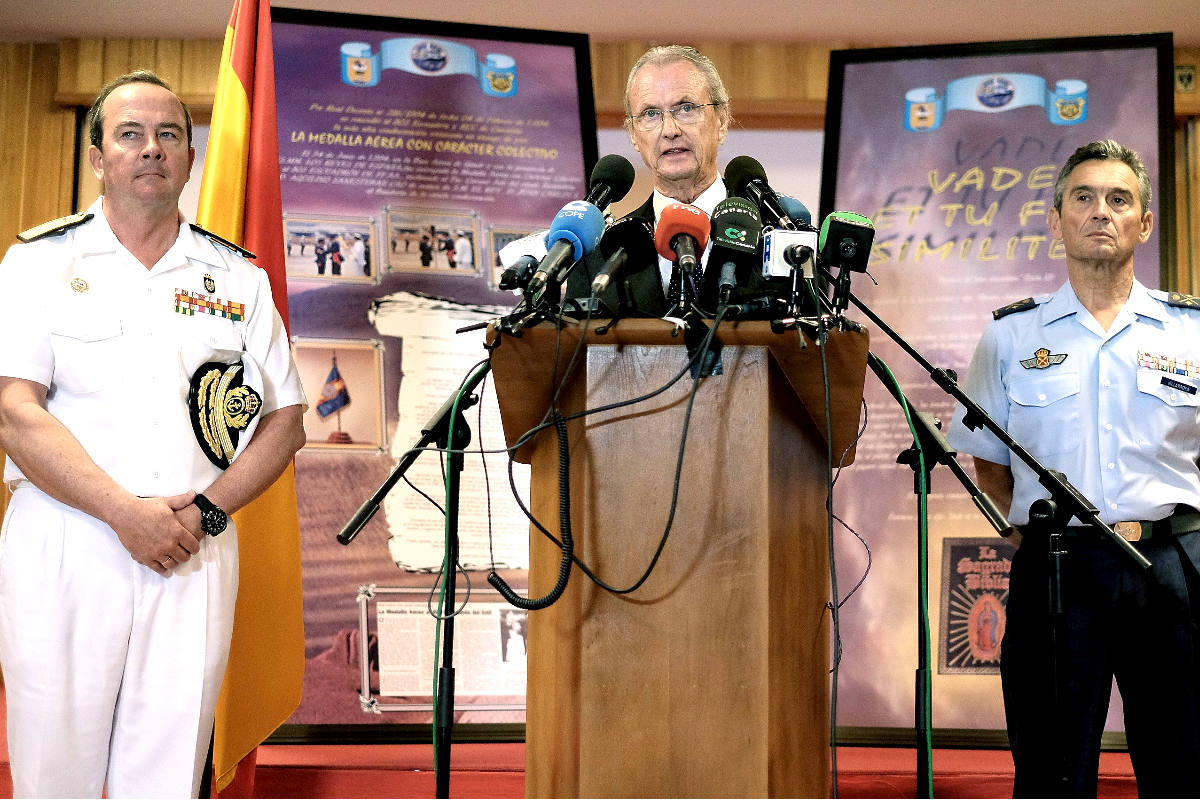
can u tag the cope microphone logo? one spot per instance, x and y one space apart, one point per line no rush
576 208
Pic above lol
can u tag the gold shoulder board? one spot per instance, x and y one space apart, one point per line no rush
53 227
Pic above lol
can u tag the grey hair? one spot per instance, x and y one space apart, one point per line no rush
1104 149
662 55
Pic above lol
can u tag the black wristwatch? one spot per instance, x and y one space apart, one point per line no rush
212 519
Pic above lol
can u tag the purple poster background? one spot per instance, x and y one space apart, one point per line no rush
414 153
434 141
960 217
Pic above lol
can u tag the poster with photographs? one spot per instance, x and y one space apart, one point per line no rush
392 130
952 152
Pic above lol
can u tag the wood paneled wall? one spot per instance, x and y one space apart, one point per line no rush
773 85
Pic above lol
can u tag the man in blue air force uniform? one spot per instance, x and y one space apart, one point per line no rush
1100 381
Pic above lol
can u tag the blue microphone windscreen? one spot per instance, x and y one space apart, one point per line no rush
581 224
797 212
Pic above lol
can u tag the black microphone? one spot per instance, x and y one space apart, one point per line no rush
736 229
628 240
517 276
745 177
611 180
755 307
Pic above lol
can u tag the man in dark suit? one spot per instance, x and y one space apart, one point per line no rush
677 114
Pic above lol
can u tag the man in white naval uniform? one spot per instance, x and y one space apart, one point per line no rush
118 563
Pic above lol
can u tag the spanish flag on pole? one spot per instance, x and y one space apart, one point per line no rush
240 200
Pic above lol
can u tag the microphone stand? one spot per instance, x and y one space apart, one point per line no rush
448 429
685 293
1048 516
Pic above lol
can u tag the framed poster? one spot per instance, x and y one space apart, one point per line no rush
391 130
953 151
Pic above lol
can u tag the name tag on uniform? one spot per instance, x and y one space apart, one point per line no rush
1174 384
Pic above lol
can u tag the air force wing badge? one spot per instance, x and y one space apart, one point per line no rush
223 406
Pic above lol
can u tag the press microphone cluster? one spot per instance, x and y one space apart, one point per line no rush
577 228
791 248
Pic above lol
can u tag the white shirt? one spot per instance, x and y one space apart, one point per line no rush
1116 411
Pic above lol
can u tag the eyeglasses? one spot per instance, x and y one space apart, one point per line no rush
684 114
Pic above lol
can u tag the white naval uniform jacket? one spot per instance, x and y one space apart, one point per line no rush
116 344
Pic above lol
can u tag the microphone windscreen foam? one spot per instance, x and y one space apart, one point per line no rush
581 224
736 226
636 235
680 218
616 173
740 171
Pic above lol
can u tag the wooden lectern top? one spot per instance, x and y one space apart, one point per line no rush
523 363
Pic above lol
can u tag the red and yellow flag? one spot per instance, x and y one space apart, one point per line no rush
240 200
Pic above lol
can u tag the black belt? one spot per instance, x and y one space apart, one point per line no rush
1184 520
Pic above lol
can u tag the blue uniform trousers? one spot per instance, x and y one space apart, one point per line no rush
1119 620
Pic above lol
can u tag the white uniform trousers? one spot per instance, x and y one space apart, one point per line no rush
111 670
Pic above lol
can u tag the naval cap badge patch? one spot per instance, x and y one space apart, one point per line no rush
222 406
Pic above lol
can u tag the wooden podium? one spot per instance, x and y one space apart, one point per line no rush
712 678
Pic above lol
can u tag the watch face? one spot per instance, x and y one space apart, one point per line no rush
212 521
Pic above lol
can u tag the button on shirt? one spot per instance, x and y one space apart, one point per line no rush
1117 411
116 344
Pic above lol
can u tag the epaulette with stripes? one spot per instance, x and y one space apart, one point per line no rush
53 227
1183 300
1014 308
243 251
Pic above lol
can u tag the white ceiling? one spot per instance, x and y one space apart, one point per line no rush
848 22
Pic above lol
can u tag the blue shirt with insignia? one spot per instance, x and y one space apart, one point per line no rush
1116 411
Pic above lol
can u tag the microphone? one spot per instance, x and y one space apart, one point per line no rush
797 212
532 245
575 232
610 181
786 250
845 241
630 239
681 235
745 177
736 229
516 277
